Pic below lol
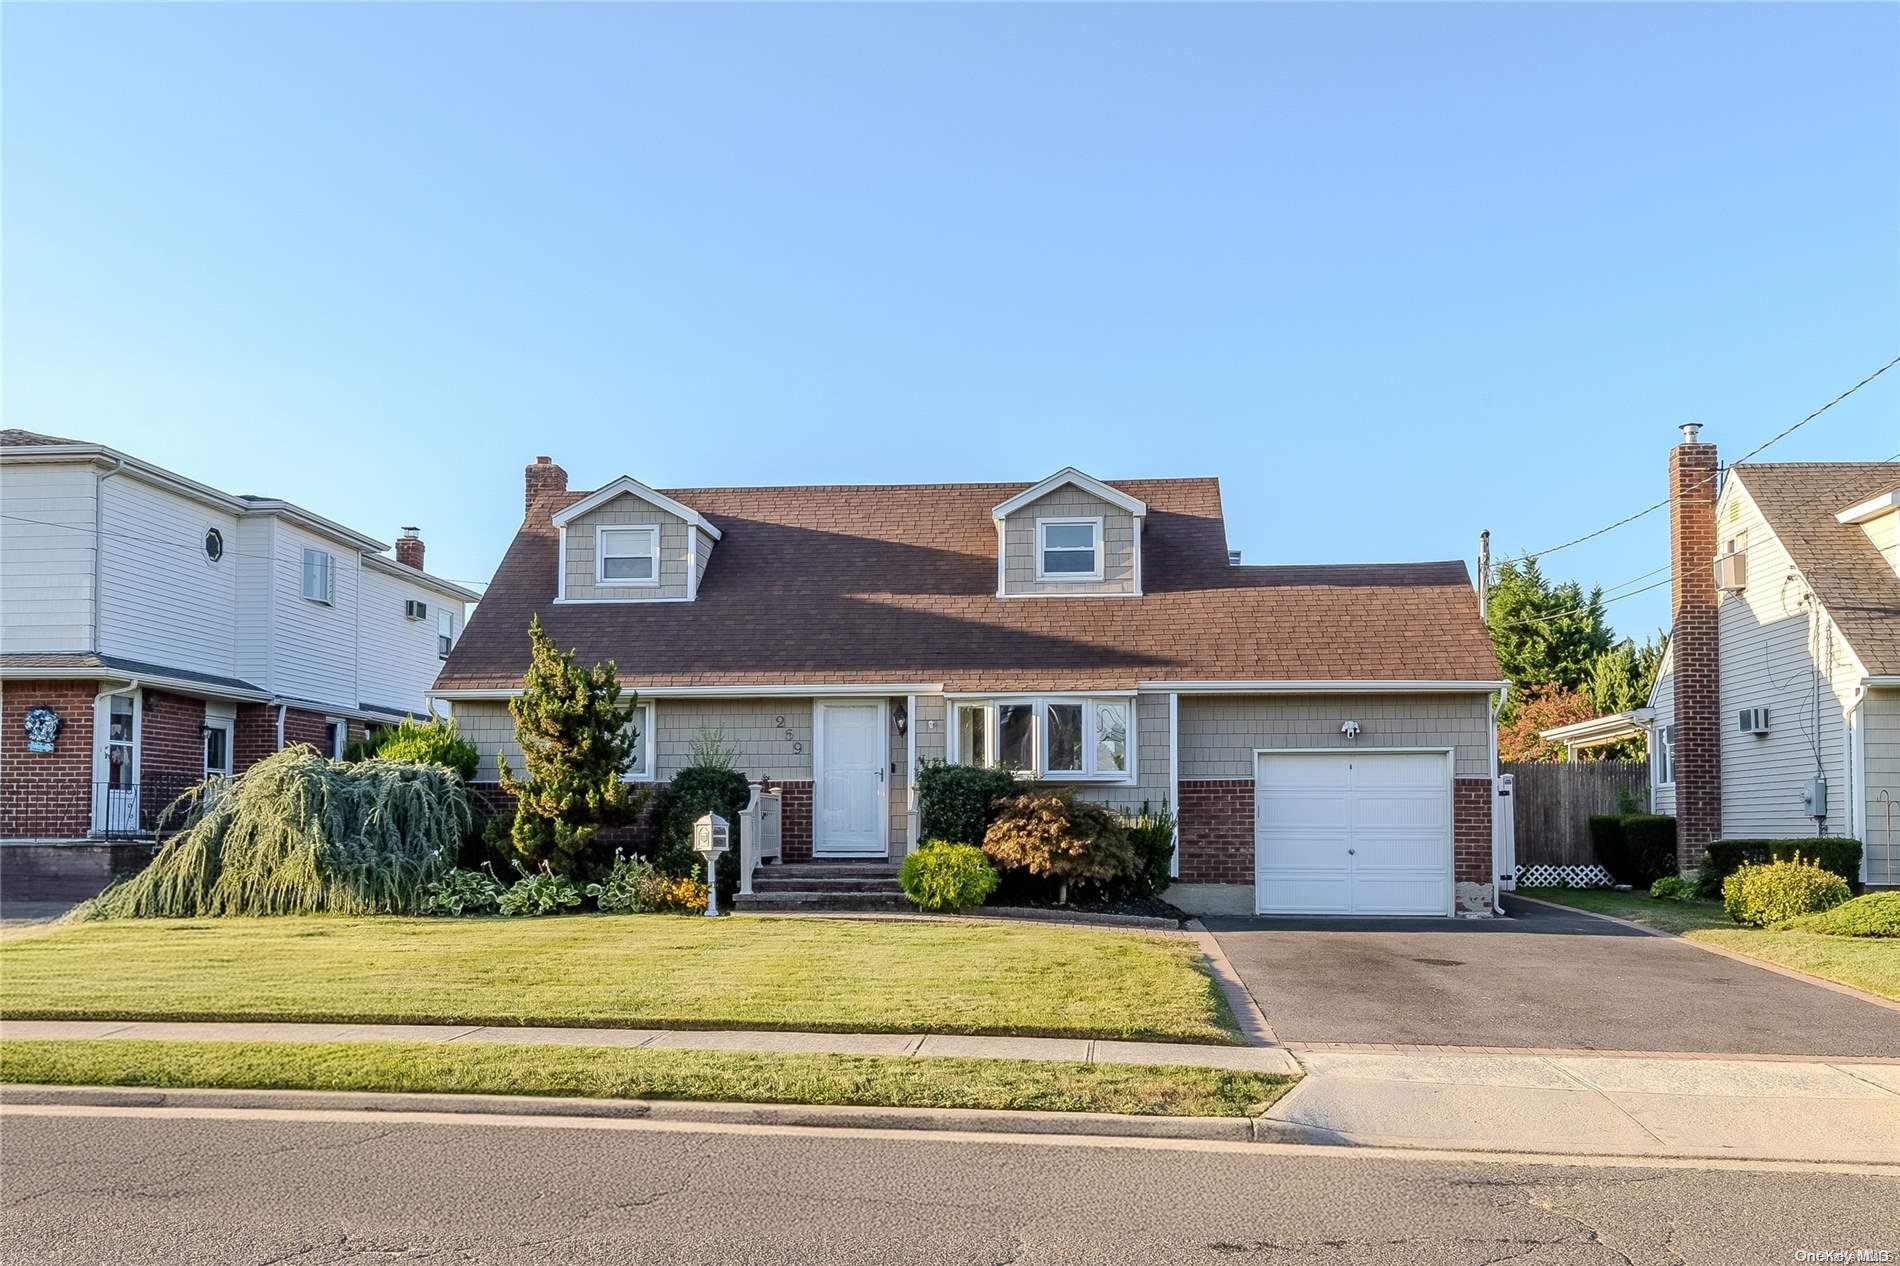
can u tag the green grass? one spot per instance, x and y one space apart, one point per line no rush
1869 963
624 971
614 1073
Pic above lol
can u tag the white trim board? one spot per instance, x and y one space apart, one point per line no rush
1070 475
627 484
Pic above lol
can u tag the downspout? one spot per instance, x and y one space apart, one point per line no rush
98 548
282 708
1852 766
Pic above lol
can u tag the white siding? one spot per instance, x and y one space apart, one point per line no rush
1768 658
399 655
46 542
161 600
1662 798
256 543
313 646
1881 838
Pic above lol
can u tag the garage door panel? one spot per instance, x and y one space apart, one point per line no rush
1354 833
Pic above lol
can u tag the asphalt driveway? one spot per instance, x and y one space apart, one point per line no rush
1539 978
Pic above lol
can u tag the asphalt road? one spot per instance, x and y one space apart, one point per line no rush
1541 978
179 1191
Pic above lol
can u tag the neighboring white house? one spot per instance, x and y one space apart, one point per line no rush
1806 573
154 630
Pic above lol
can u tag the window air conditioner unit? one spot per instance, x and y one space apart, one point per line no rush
415 610
1754 721
1731 572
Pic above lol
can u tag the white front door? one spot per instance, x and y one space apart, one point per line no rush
849 814
1352 833
115 764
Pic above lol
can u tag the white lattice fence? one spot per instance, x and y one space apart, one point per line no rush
1544 876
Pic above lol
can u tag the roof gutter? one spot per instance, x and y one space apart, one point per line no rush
763 690
1350 687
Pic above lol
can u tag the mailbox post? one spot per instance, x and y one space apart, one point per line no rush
712 836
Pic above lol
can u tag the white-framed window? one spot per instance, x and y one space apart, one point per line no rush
319 576
1060 737
217 747
335 734
1068 549
640 767
627 556
444 631
1662 757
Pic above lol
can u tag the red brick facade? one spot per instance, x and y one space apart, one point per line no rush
1217 845
46 795
1694 644
1217 831
253 736
171 749
794 820
1471 831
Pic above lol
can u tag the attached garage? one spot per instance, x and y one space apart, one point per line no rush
1353 832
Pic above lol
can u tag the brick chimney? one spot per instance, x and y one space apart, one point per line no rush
1694 646
409 548
544 479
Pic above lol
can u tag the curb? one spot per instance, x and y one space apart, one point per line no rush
942 1120
1240 1000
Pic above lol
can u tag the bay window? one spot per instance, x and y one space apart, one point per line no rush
1060 738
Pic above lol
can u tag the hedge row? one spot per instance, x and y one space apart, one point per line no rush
1636 848
1725 857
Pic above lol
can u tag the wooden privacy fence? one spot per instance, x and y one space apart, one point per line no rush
1553 804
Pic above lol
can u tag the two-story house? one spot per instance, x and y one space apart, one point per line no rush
1776 711
1325 733
154 630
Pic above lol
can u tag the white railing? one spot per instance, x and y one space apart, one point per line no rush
759 834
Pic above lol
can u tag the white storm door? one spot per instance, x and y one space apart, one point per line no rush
848 810
115 764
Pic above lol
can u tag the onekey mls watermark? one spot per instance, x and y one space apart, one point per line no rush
1844 1255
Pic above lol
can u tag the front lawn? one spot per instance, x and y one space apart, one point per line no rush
1870 963
645 971
617 1073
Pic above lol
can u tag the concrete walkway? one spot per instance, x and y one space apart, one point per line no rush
1255 1059
1595 1105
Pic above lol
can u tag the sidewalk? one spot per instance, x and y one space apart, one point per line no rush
1253 1059
1598 1105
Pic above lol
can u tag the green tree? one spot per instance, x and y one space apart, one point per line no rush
576 741
1545 634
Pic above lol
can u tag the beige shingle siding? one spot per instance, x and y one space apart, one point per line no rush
628 511
772 736
1881 725
702 555
1118 545
1153 786
1219 734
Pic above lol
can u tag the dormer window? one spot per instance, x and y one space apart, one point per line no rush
1068 549
628 556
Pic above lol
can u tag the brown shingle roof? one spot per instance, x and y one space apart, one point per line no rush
1856 585
842 585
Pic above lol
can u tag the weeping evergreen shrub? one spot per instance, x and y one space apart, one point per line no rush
298 834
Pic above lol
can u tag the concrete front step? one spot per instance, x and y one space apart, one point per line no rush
767 881
809 900
877 869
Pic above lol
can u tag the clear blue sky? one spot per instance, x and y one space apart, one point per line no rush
1395 274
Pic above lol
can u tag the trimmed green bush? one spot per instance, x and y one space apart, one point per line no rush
432 742
1762 896
1673 888
694 792
957 803
1636 848
1875 914
941 875
1724 857
1053 835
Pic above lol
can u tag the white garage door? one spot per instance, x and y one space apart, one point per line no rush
1352 833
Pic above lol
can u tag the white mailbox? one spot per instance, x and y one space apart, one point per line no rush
712 836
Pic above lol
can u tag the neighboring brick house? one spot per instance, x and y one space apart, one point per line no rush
1776 712
154 630
1326 732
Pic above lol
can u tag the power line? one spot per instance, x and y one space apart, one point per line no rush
1759 448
